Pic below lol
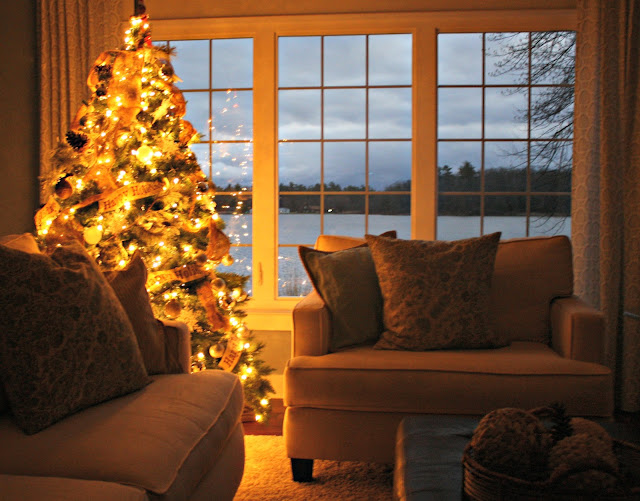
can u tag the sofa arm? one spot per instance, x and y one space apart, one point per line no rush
177 346
577 330
311 326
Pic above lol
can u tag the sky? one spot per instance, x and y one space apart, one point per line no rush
301 121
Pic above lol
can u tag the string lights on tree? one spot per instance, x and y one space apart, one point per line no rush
125 180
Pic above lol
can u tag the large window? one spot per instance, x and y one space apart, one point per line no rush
505 130
344 142
438 125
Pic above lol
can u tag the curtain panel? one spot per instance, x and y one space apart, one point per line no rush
606 181
72 34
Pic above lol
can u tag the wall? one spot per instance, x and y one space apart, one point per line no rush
19 103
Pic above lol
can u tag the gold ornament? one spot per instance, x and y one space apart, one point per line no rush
92 235
172 309
218 284
145 154
63 189
216 350
227 260
201 258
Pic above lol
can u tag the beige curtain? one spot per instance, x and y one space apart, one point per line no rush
606 180
72 34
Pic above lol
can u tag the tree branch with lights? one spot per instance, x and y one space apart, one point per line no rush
125 180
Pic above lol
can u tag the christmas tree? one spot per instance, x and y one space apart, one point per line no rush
125 180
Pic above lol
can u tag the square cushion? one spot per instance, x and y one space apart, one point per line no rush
65 341
435 293
347 282
129 284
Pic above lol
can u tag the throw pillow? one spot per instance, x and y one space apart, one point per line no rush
65 341
435 294
129 286
347 282
24 242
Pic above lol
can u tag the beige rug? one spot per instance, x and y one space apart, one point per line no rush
267 476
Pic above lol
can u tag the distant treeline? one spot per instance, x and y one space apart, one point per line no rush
466 179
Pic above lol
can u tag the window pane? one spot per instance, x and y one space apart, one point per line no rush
458 217
344 215
344 60
299 219
201 151
390 113
299 114
390 205
232 63
232 166
505 164
454 161
379 223
459 113
232 115
507 214
292 277
344 165
299 166
238 226
198 112
192 56
390 59
390 165
507 60
506 113
552 112
344 114
557 47
241 265
551 166
550 215
298 61
460 59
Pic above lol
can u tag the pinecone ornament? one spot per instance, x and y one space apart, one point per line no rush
512 441
77 140
561 422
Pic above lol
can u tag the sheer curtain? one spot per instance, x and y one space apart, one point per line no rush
606 180
72 34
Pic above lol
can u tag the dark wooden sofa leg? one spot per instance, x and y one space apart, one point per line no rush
302 470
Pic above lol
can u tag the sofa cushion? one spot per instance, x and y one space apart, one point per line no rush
523 374
67 343
529 273
435 293
23 488
149 439
129 284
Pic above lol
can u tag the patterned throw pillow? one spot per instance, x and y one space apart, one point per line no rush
347 282
129 286
65 341
435 294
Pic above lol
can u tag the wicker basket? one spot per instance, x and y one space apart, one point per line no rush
481 484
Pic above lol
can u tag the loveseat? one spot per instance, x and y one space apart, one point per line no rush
345 403
171 436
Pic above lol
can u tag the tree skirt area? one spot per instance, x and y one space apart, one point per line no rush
267 476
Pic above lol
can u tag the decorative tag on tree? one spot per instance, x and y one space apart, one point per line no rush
230 358
219 243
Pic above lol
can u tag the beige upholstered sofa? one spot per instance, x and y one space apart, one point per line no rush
179 437
346 405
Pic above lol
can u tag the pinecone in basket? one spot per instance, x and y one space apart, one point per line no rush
585 452
513 442
561 422
582 425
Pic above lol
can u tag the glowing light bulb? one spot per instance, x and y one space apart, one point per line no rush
264 402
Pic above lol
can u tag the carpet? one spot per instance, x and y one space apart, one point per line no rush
267 476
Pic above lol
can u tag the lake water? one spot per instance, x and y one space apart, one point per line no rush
302 229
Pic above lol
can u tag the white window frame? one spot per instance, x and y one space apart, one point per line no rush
267 311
